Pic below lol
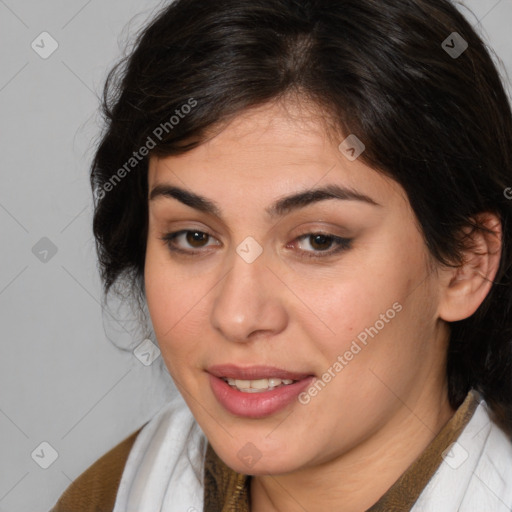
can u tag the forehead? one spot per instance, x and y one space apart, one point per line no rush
275 148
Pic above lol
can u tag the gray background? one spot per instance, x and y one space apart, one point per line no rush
63 381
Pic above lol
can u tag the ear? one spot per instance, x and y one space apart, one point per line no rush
464 288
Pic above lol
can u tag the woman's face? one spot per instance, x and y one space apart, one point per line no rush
336 289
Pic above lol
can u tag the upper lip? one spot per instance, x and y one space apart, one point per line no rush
254 372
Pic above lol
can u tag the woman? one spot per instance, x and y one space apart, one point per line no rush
311 198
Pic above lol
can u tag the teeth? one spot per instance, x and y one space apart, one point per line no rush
255 386
243 384
260 384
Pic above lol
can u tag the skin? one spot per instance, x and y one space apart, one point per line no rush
351 442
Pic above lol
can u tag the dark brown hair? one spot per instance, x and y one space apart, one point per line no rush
438 124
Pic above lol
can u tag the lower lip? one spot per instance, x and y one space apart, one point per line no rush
256 405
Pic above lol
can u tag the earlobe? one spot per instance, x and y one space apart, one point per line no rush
466 286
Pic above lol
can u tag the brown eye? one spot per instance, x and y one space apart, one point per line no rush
186 240
196 238
321 242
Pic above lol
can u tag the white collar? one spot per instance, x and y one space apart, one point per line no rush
164 470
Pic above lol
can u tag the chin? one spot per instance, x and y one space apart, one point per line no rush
264 465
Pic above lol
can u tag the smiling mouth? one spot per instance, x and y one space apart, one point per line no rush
259 385
256 392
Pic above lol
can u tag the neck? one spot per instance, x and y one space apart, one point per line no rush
355 480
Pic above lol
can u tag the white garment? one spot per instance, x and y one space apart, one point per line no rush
476 473
164 470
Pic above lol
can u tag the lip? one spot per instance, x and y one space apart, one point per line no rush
261 404
254 372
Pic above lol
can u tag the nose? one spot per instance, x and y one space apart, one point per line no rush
249 302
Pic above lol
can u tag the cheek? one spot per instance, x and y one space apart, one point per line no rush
375 303
345 303
175 306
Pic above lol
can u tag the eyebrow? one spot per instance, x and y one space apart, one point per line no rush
280 208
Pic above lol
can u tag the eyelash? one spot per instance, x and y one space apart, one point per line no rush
342 244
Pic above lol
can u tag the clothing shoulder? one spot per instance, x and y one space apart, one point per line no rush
96 488
476 474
